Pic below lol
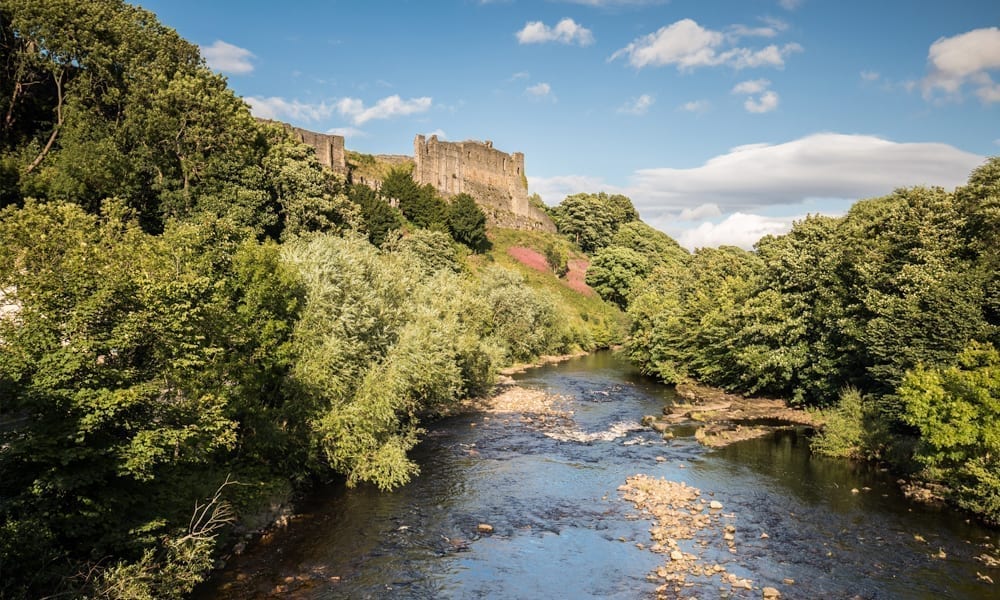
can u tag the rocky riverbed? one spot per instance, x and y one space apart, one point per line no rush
725 418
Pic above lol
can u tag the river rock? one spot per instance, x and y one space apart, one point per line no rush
770 592
676 555
484 528
715 505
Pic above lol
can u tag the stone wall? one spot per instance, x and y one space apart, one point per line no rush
495 179
329 148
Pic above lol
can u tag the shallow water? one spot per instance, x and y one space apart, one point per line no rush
561 529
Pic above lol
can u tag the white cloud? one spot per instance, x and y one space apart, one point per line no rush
282 109
441 135
539 90
519 75
347 132
822 165
966 58
228 58
386 108
820 173
687 45
353 108
738 229
767 102
554 189
703 211
770 29
637 106
870 75
790 4
696 106
752 86
566 31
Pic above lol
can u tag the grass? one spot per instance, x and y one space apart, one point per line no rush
605 324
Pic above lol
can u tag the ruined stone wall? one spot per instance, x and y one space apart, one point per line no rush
495 179
329 148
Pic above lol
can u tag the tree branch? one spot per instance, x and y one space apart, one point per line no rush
55 130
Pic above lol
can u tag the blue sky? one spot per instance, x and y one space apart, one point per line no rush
722 120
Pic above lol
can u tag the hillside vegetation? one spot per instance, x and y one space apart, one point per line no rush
197 319
887 317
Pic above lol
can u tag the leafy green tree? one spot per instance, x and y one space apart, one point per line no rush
557 259
133 364
613 271
957 410
380 219
590 220
467 223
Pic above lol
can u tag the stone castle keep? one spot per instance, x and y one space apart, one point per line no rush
495 179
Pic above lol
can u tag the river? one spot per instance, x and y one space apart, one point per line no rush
807 526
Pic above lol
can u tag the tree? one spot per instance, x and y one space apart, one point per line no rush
380 219
613 272
467 223
957 410
590 220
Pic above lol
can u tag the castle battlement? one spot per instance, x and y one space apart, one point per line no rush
495 179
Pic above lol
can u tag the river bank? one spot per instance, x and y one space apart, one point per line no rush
723 418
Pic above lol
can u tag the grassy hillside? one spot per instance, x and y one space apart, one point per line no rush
600 322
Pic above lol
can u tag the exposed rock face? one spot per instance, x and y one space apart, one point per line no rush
495 179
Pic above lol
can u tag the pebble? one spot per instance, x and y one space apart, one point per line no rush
676 555
484 528
770 592
715 505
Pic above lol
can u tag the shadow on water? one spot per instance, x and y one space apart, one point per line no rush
560 529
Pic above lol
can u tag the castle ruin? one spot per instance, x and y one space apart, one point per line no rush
329 148
495 179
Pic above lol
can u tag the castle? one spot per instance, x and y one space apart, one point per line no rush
495 179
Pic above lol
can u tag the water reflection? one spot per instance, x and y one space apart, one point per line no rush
558 523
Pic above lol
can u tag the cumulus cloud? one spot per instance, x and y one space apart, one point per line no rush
753 86
554 189
790 4
870 75
441 135
703 211
637 106
566 31
738 229
820 173
822 165
386 108
964 59
292 110
227 58
696 106
766 102
540 90
687 45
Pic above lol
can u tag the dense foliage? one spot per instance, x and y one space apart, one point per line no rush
194 313
887 315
